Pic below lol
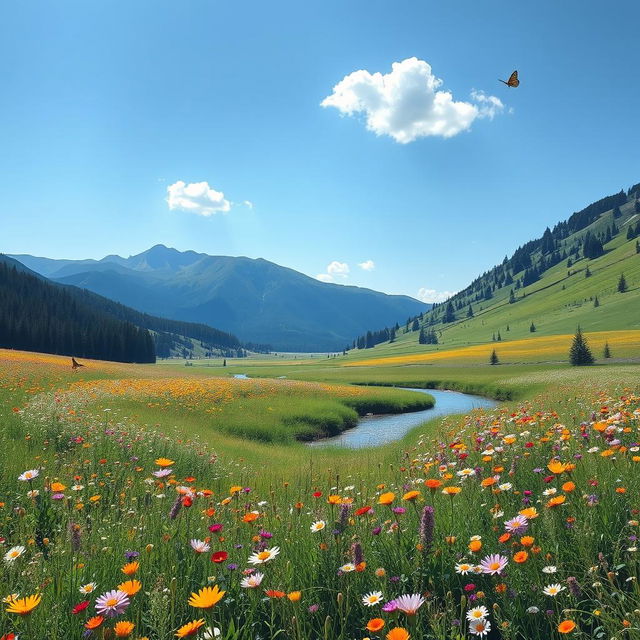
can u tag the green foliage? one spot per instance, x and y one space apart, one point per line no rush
493 359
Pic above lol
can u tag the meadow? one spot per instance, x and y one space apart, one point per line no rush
131 507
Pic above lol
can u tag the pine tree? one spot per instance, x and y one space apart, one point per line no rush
224 362
508 328
422 338
622 284
596 302
607 352
512 297
637 246
449 314
532 328
494 358
498 337
587 272
580 355
470 312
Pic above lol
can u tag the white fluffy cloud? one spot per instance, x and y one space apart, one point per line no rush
406 103
431 295
335 270
196 197
367 265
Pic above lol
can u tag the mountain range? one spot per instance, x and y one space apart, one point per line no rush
257 300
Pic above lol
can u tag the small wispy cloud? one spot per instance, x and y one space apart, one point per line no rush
334 270
367 265
432 295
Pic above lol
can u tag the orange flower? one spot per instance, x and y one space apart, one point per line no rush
520 557
274 593
123 629
433 483
375 624
164 462
475 545
451 491
130 568
505 537
93 623
566 626
57 487
621 490
250 517
530 513
387 498
333 499
130 587
411 495
398 634
294 596
568 487
557 467
526 541
190 629
556 501
487 482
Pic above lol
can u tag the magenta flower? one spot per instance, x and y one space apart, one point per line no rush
409 604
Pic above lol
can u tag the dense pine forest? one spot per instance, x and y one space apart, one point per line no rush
36 315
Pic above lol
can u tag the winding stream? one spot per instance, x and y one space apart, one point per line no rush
376 430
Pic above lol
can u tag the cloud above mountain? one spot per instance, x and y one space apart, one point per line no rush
196 197
335 269
407 103
367 265
432 295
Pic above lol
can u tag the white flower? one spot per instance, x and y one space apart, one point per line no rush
13 554
199 546
90 587
549 492
463 568
210 633
506 486
318 525
480 628
533 610
34 493
252 581
31 474
477 613
77 487
370 599
549 569
553 589
260 557
348 568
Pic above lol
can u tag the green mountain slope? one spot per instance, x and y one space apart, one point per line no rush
568 289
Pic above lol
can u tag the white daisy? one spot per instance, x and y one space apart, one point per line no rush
370 599
318 525
480 628
477 613
549 569
260 557
90 587
553 589
252 581
13 554
348 568
199 546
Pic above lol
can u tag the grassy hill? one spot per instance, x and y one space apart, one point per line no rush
561 298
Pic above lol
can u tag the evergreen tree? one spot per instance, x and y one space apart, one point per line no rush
532 328
416 325
631 234
622 284
596 302
494 358
470 312
508 328
498 337
587 272
422 338
512 297
449 314
607 352
224 362
580 355
637 246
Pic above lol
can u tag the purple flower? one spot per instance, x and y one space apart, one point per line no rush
112 604
57 496
376 531
130 555
399 510
427 526
313 608
389 607
232 566
265 534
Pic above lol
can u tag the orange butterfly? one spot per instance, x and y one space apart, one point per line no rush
512 81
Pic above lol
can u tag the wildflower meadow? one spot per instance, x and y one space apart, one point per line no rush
521 522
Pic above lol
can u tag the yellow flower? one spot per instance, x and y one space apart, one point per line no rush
24 606
164 462
387 498
57 487
206 597
411 495
123 629
294 596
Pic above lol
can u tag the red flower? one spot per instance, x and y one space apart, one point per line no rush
214 528
78 608
317 494
8 636
549 479
187 501
219 556
363 510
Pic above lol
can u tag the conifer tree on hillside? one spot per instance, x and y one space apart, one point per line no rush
494 358
596 302
606 353
422 338
449 314
532 328
622 284
580 355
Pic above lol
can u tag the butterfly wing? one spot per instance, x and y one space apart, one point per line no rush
513 79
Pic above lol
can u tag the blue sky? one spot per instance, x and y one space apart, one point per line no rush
105 105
